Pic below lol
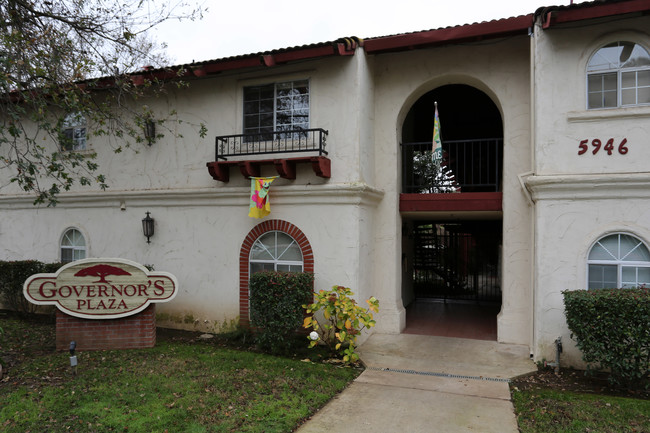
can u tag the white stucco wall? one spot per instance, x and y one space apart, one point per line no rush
500 70
201 223
581 198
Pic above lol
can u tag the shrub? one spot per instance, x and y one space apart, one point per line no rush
611 328
276 300
12 277
344 321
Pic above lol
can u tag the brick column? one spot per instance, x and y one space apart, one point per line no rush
132 332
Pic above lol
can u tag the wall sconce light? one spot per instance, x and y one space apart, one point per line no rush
150 131
147 226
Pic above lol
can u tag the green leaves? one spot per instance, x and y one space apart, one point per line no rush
276 300
612 329
343 320
66 57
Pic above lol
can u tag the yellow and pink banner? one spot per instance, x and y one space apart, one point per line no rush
260 205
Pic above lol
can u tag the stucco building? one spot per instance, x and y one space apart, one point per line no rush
545 124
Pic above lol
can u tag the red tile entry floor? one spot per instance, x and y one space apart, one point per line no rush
452 319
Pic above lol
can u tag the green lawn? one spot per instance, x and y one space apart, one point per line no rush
556 411
178 386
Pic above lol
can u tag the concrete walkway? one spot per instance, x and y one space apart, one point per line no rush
419 383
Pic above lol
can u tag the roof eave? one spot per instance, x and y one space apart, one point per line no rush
465 33
579 12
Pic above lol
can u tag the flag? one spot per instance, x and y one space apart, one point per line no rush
437 144
260 206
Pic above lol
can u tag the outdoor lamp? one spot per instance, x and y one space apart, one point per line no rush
147 226
150 131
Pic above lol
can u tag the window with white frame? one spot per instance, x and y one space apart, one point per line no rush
73 246
73 132
276 107
618 75
275 251
618 261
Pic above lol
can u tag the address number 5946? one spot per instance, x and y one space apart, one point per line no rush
597 144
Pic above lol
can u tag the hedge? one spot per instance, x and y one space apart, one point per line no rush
276 312
612 329
12 277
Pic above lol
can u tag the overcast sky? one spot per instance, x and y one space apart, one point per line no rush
232 28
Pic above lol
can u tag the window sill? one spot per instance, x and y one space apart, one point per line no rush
596 115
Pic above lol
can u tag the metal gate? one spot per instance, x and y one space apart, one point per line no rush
457 261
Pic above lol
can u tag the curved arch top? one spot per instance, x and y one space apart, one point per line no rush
244 255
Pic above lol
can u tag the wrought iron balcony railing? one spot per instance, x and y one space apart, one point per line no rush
468 166
298 140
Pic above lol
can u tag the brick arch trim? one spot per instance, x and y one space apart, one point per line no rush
244 254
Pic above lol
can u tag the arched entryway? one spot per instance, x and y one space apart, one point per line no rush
451 215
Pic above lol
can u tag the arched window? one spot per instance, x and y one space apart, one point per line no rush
73 133
272 244
275 251
618 75
73 246
618 261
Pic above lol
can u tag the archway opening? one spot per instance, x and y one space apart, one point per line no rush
472 142
451 283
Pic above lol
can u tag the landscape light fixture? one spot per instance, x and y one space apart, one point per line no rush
73 358
147 226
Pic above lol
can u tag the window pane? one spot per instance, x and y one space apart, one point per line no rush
644 78
288 249
627 244
284 268
284 104
302 86
605 58
251 94
628 79
78 239
643 276
610 99
66 255
605 249
633 276
640 254
610 82
595 82
634 56
628 97
644 96
251 121
260 267
595 100
264 248
602 276
266 106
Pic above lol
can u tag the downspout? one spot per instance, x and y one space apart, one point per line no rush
533 111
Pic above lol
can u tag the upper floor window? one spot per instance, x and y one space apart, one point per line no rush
276 107
275 251
73 246
618 261
618 75
73 133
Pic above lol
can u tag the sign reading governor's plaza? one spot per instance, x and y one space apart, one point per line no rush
101 288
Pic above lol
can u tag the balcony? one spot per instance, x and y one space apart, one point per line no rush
468 166
286 145
472 168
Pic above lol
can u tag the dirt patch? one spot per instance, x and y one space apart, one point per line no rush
576 381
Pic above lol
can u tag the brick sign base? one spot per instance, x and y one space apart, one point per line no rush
131 332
